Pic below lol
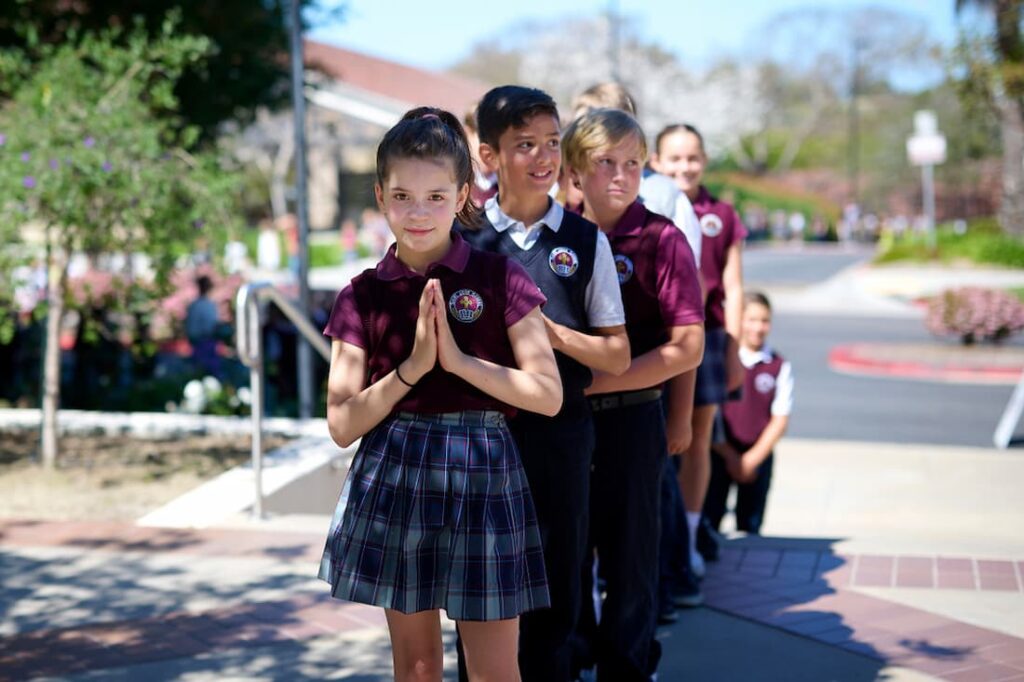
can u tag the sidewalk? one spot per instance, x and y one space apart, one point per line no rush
894 562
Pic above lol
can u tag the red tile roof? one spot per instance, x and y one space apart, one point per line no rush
396 81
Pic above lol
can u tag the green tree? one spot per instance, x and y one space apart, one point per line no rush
87 167
993 72
248 42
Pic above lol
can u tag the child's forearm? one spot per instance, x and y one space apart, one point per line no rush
533 391
767 441
732 284
350 419
606 350
681 353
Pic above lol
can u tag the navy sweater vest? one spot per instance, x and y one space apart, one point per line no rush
561 264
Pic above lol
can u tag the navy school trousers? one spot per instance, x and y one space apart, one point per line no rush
556 455
629 460
751 498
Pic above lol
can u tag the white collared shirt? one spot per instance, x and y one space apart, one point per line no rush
782 404
661 195
603 298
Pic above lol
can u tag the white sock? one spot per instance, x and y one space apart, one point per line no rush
692 521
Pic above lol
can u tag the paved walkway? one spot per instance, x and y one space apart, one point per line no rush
893 585
91 601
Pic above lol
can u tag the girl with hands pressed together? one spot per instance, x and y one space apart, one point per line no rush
432 350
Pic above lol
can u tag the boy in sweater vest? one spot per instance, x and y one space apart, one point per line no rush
753 424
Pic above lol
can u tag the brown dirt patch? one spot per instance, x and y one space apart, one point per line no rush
111 477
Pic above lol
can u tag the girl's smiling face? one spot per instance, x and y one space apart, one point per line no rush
681 157
420 199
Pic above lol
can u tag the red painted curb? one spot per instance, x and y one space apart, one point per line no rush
850 359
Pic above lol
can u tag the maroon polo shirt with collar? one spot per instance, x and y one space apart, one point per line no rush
484 294
720 228
658 277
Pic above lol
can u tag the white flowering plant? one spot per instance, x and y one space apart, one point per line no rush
210 396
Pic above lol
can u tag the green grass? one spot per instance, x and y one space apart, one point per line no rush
770 195
324 249
984 243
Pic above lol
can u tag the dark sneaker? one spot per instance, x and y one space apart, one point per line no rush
667 615
708 541
687 594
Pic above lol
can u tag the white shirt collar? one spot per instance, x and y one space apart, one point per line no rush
749 357
552 219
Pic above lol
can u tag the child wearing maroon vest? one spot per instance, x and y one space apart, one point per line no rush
753 424
680 154
431 351
605 151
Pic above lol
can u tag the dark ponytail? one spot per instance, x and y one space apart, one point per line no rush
431 133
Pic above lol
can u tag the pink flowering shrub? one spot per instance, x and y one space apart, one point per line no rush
975 314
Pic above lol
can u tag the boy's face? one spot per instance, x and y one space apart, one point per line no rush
757 324
527 158
611 182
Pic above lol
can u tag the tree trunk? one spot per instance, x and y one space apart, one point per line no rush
1011 123
56 282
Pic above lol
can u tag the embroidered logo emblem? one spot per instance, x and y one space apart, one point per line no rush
563 261
764 383
711 225
624 267
466 305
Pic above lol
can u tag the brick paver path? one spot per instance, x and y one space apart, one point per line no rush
802 591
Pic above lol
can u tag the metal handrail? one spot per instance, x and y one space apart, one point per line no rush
249 317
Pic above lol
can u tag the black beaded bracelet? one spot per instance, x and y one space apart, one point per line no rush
399 375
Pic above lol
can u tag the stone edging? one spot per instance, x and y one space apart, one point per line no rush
157 425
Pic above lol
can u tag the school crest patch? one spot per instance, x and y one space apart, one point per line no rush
764 383
466 305
624 268
563 261
711 225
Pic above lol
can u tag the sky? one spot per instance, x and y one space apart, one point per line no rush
434 35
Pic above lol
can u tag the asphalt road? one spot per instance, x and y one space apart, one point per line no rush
837 406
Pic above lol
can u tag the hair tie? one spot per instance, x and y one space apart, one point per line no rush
430 115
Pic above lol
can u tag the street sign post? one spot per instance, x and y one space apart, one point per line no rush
1011 417
927 148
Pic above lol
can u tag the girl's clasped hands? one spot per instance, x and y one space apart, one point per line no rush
434 341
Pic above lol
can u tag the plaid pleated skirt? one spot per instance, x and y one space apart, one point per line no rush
436 514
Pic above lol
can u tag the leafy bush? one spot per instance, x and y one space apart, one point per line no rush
771 195
983 243
975 314
210 396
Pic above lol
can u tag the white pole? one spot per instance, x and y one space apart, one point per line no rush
928 190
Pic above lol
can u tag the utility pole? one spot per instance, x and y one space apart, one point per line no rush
613 39
853 148
304 359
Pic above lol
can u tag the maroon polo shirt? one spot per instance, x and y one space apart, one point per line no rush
484 294
720 228
747 417
657 275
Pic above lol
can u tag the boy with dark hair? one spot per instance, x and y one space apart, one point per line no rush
753 424
571 261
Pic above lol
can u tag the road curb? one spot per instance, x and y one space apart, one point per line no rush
853 359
